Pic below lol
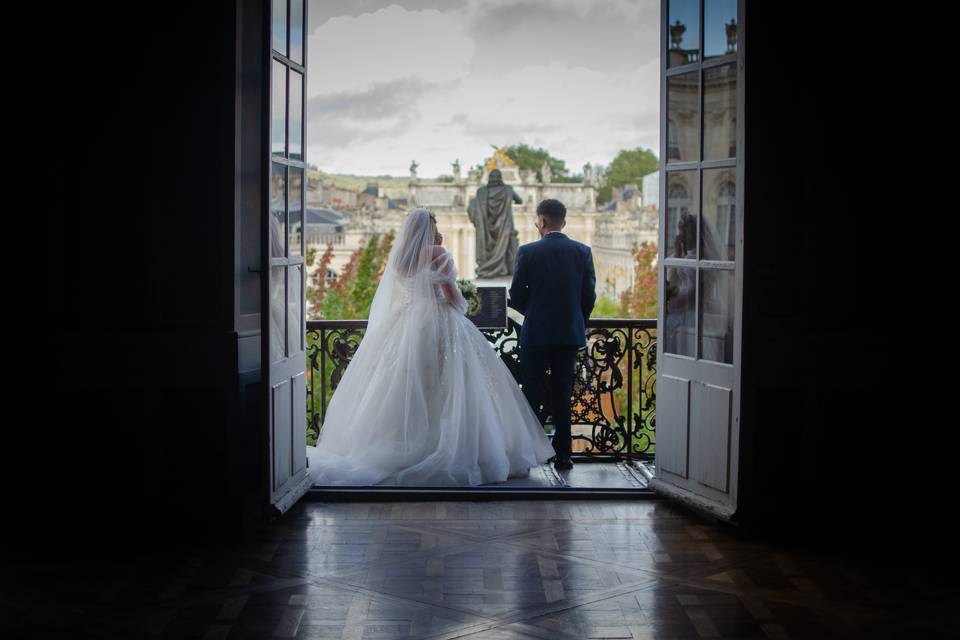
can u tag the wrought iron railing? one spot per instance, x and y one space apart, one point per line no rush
614 394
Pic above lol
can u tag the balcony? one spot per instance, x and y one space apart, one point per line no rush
613 404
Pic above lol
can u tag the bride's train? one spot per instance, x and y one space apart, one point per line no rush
425 401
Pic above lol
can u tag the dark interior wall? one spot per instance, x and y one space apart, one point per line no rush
781 416
833 451
160 440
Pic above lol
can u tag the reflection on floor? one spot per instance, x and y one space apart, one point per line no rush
503 570
584 475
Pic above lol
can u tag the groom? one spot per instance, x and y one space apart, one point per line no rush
553 287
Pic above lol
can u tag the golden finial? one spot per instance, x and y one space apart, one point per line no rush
498 160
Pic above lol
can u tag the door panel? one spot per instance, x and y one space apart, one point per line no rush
298 458
673 427
701 252
282 434
710 434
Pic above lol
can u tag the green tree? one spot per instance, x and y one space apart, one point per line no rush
317 285
346 296
349 295
361 293
641 300
532 159
628 167
606 307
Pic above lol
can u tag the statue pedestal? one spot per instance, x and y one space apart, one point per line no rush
503 281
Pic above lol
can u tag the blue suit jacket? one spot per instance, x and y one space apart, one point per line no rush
553 287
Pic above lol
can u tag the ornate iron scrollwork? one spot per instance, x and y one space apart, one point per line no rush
614 392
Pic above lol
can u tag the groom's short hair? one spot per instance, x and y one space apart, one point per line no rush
552 210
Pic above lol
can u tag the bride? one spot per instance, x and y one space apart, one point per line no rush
425 399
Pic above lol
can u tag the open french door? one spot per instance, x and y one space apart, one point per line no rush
701 253
283 254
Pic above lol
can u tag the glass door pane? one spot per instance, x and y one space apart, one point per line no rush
278 317
280 26
683 32
716 315
683 196
278 110
295 315
681 329
296 31
295 203
683 114
278 211
718 224
720 112
719 28
296 115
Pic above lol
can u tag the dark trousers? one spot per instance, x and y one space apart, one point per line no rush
534 362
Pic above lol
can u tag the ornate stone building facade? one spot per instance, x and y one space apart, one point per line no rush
611 231
625 223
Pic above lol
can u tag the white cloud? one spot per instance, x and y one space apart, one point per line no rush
599 34
393 85
324 10
347 53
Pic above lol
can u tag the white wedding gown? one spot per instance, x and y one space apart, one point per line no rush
425 400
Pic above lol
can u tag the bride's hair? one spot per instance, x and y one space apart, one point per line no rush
417 273
415 242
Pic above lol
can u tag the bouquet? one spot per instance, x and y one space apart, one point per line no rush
469 291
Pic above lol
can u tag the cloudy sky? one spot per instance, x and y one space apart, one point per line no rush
436 80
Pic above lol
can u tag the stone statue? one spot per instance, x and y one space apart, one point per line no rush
731 36
545 173
456 170
491 212
413 169
676 34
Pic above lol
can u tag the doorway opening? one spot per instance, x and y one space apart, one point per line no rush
410 104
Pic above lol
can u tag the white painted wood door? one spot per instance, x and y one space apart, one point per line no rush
701 250
283 259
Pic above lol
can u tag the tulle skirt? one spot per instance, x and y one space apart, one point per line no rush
426 401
